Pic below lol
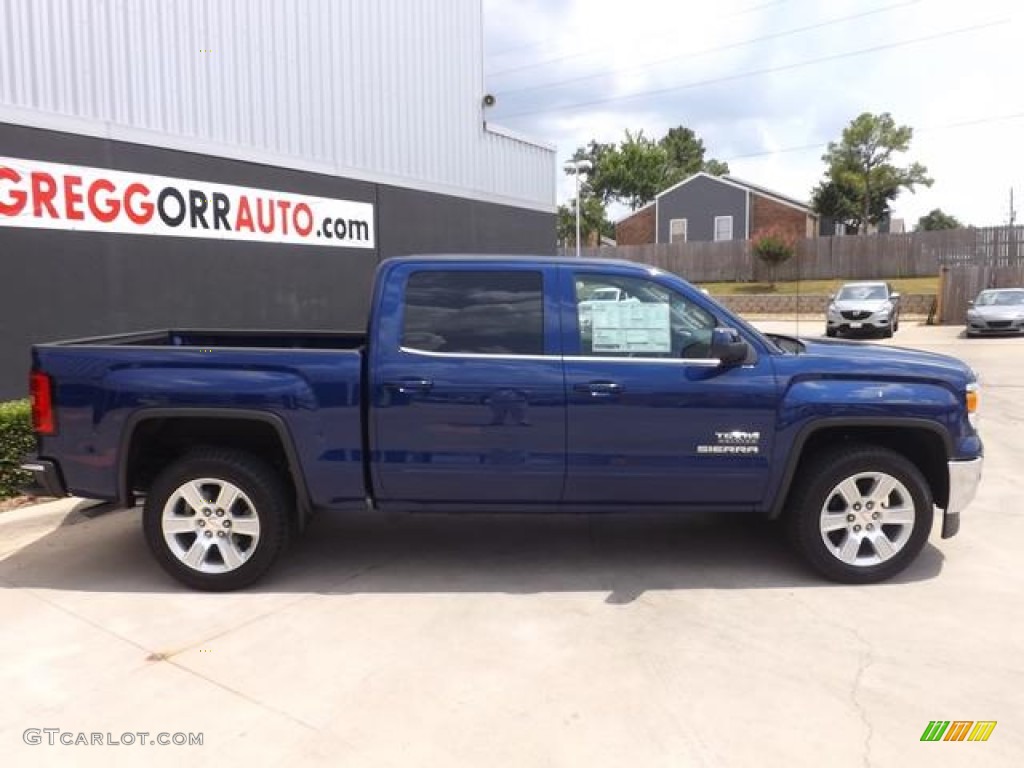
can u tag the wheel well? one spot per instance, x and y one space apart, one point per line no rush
157 442
921 446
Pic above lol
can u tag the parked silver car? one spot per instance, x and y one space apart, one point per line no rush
868 307
998 310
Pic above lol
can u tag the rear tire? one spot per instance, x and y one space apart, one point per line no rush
217 519
831 332
861 514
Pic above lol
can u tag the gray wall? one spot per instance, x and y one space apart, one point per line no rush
351 84
699 201
61 284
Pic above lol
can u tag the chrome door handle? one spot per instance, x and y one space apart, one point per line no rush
600 388
409 386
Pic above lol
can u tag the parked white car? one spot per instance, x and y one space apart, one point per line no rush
868 307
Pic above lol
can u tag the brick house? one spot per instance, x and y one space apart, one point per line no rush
705 207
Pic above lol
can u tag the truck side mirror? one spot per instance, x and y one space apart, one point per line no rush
729 347
970 303
894 296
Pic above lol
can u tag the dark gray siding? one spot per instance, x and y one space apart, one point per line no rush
419 222
62 284
699 201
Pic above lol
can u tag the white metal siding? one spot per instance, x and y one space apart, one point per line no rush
388 90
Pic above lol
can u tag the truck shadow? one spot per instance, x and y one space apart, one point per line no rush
621 555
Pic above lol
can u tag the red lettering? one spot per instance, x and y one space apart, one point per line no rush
43 197
284 205
259 215
18 197
145 210
304 210
110 208
73 198
244 219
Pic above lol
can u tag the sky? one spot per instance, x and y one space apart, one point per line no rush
768 83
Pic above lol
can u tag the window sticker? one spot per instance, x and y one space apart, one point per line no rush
631 327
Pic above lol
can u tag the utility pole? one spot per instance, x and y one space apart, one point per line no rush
1013 213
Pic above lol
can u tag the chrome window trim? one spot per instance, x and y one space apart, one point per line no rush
704 362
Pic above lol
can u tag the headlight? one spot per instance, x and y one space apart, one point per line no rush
972 403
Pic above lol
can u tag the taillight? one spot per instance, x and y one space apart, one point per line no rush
41 389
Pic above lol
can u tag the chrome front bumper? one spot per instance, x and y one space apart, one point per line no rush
964 478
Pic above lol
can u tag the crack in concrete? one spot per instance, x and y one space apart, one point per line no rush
867 658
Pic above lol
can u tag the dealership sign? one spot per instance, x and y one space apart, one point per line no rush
70 197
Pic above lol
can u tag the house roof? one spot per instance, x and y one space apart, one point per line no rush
741 184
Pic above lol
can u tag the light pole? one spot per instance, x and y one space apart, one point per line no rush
578 166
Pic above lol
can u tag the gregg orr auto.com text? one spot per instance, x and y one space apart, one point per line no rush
42 195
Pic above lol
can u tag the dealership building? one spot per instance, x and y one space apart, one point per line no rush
243 163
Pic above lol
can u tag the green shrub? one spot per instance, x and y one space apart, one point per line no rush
773 246
16 441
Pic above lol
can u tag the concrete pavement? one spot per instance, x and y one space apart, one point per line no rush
564 641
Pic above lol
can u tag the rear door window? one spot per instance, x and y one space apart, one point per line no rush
475 312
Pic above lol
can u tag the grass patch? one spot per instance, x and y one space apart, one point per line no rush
905 285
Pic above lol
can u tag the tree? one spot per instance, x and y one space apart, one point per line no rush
936 219
593 221
638 168
774 246
860 168
685 155
839 201
593 182
635 172
716 167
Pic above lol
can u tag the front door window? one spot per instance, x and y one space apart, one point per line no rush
633 317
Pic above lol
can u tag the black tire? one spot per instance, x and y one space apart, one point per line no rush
831 332
888 331
896 324
820 476
271 506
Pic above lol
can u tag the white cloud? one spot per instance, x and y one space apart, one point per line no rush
930 85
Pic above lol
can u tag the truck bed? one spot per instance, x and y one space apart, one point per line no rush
226 338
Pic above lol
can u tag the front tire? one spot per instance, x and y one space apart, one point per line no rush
217 519
831 332
861 515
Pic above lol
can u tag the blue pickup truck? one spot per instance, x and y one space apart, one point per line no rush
509 384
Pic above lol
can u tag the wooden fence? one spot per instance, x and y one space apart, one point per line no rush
870 257
961 283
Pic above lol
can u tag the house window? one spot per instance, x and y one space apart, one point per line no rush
723 228
677 230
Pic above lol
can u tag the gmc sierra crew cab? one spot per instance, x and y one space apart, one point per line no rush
477 388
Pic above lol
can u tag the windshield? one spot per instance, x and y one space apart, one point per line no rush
999 299
863 293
